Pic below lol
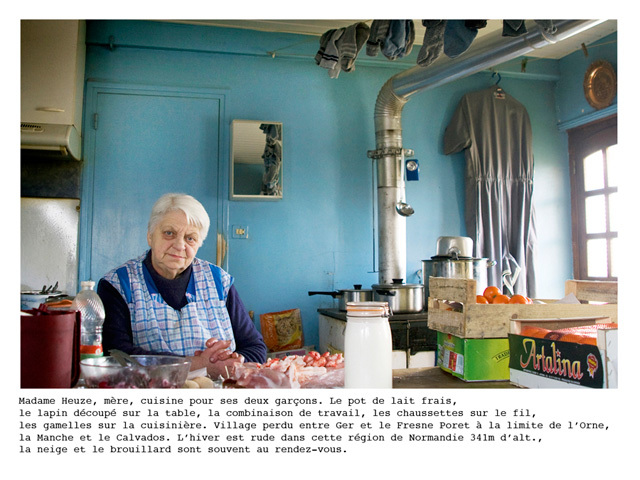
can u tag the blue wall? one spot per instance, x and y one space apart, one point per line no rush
572 106
320 235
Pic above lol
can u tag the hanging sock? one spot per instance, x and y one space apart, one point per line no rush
477 24
433 42
513 28
457 38
377 34
352 41
328 55
410 31
339 48
547 28
399 40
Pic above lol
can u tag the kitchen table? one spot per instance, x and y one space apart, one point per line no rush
435 377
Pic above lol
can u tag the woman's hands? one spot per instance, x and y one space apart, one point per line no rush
216 358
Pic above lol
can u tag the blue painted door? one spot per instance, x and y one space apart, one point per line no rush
146 144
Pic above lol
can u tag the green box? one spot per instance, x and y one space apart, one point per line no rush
474 359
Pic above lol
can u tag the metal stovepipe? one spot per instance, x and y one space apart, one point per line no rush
395 93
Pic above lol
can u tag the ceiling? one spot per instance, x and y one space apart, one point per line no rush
494 27
251 151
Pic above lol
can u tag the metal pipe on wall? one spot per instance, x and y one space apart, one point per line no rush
390 153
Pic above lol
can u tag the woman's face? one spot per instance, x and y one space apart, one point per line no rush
174 244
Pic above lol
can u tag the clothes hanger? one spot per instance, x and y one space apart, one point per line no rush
499 92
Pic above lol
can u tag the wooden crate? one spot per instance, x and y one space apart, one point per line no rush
452 308
590 291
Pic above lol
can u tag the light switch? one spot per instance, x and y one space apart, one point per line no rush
240 231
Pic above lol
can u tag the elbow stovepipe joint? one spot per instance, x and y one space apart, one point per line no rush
393 96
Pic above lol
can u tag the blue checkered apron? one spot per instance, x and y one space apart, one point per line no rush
158 327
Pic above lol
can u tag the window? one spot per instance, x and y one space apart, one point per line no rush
594 164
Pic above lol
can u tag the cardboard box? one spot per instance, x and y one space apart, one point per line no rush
547 363
474 359
452 308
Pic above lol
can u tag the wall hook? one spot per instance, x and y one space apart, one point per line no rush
499 77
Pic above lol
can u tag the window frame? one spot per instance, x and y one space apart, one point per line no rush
583 141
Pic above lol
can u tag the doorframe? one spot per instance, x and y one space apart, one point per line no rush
93 89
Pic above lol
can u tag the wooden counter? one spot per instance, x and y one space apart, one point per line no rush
435 377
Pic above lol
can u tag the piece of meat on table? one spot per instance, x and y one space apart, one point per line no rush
311 371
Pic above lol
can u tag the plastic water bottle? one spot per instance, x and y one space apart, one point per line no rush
91 309
368 361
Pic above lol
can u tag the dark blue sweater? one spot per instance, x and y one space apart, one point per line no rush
117 333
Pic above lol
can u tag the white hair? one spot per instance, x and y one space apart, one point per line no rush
192 208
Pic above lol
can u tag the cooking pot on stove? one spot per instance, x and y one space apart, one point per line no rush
356 294
469 268
401 297
454 247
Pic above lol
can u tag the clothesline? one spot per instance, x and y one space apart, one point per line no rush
334 66
395 38
275 52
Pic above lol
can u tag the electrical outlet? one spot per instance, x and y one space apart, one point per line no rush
240 231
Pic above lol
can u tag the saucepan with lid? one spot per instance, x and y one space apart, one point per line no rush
401 297
355 294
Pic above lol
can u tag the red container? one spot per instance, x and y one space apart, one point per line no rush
49 349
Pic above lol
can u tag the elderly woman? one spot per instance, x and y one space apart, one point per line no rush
167 301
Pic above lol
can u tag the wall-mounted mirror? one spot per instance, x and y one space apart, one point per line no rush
256 160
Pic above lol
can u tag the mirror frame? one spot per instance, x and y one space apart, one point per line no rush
256 197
